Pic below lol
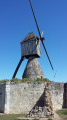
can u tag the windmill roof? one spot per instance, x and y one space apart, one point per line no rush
30 36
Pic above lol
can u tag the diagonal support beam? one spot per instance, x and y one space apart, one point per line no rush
16 70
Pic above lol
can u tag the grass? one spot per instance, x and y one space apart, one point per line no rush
62 113
41 80
35 119
15 117
22 119
16 80
50 119
25 80
5 80
27 119
11 116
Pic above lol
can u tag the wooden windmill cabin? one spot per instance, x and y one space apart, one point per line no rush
30 49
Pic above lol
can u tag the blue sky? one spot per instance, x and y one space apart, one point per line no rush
16 21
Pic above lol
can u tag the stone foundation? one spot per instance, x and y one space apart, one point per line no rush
23 97
33 69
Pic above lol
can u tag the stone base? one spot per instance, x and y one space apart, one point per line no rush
33 69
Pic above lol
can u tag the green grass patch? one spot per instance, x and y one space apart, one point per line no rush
41 80
11 116
20 80
5 80
16 80
27 119
35 119
25 80
22 119
50 119
62 113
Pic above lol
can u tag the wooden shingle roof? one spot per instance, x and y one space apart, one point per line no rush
30 36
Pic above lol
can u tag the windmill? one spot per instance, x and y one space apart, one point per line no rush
30 49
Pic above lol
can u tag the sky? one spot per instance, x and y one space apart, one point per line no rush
16 21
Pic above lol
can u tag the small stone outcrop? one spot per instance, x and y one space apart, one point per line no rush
46 110
47 101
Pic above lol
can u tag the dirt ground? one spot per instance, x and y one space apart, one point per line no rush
56 117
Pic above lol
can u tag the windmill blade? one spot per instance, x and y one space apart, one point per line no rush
16 70
35 18
41 38
47 54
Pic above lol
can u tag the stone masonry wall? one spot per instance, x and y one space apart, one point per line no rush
2 97
22 97
57 92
